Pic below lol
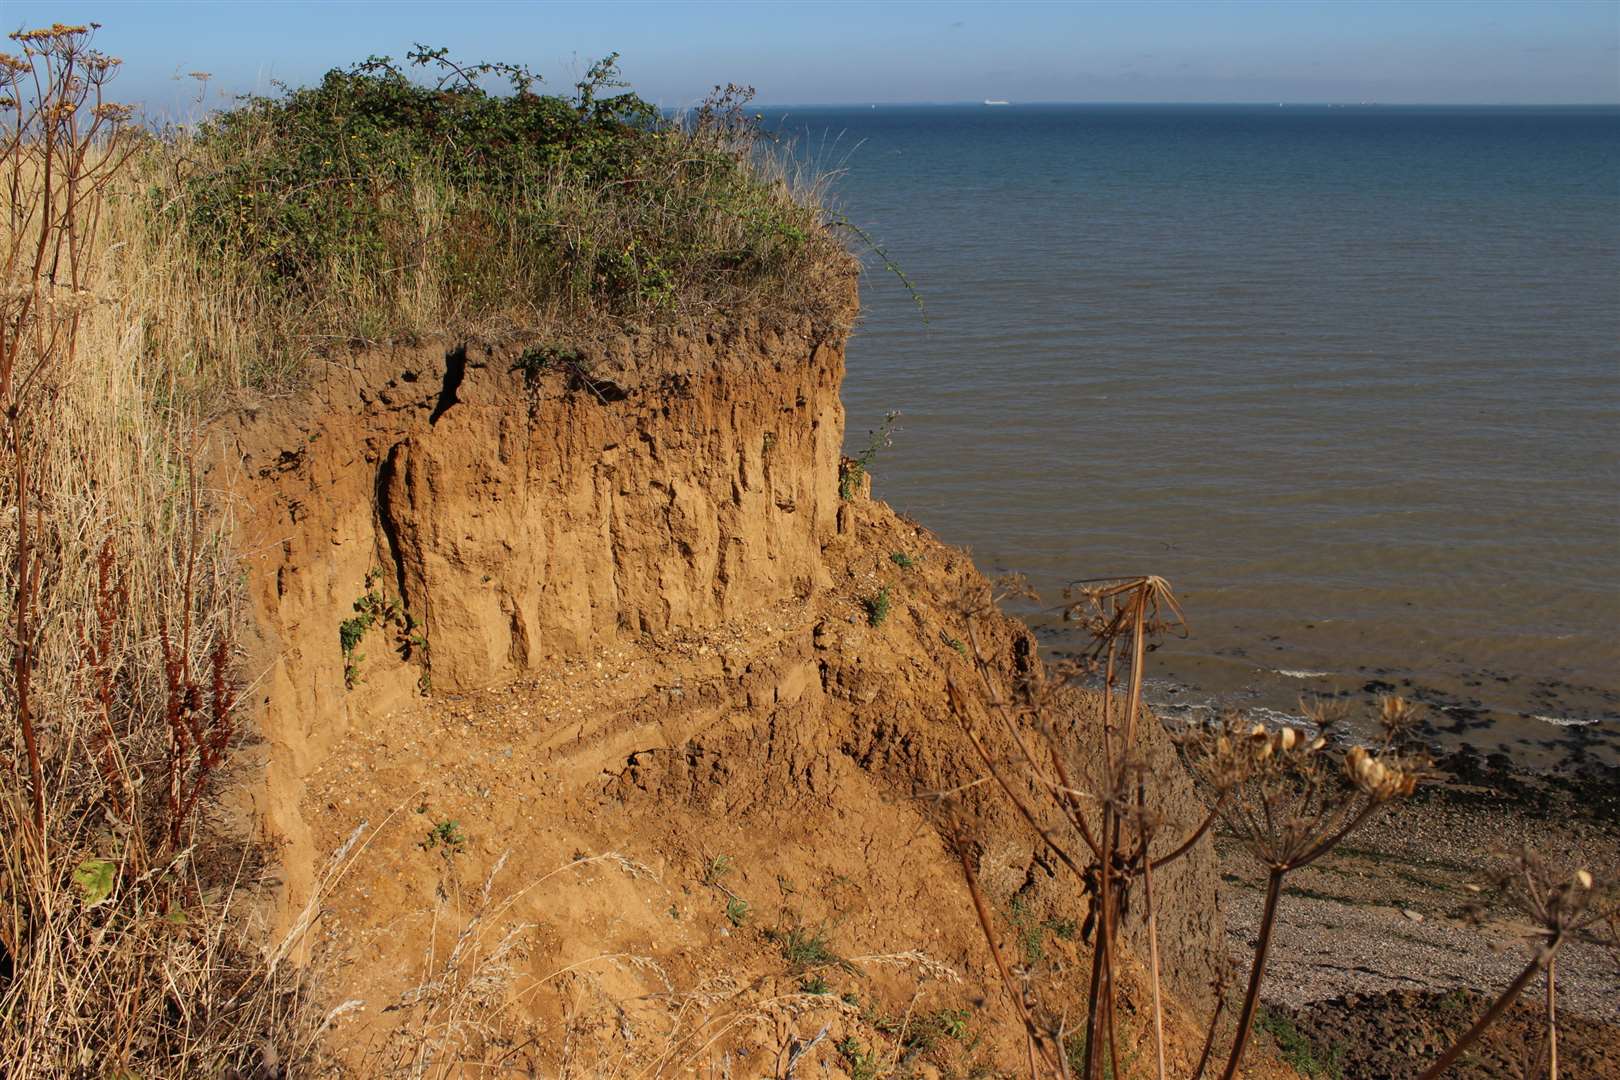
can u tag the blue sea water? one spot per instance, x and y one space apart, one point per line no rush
1348 377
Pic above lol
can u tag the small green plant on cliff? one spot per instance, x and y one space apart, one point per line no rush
877 606
902 560
536 360
736 911
370 609
716 869
816 984
852 470
445 836
804 948
862 1062
953 1023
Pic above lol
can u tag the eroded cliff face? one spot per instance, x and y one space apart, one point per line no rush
522 507
618 495
631 615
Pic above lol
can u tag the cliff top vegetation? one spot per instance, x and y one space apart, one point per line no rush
400 198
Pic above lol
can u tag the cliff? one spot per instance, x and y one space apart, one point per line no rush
643 768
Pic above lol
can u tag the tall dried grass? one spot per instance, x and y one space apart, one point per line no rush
127 938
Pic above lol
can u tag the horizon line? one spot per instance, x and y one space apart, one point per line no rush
1198 104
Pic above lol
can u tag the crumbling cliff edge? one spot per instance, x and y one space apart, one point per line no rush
521 604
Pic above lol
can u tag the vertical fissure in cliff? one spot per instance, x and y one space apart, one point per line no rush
455 370
388 525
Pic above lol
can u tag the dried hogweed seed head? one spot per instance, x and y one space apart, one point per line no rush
1374 777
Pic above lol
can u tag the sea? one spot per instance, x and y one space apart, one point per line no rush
1347 377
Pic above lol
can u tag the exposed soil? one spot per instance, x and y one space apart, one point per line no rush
714 846
644 753
641 750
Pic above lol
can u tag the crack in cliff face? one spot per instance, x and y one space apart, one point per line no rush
455 371
388 522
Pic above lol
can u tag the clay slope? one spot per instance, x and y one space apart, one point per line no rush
641 780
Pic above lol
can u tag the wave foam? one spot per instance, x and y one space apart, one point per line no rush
1564 721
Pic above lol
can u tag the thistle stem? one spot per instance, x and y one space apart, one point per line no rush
1091 1002
1509 996
1252 998
1552 1018
1209 1037
1153 958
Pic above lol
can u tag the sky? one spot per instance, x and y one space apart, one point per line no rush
1415 51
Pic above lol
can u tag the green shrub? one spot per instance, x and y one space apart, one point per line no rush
396 197
371 609
852 470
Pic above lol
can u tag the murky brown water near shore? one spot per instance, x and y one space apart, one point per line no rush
1348 378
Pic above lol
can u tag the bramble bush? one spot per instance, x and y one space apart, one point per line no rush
381 201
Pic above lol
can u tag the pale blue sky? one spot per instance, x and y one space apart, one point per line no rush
1452 51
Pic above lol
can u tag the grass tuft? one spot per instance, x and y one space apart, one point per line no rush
877 606
804 948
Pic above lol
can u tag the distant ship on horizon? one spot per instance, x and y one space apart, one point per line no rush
989 101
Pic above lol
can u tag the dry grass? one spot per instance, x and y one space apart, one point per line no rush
128 943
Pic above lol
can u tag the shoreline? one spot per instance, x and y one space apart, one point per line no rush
1480 740
1374 964
1525 721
